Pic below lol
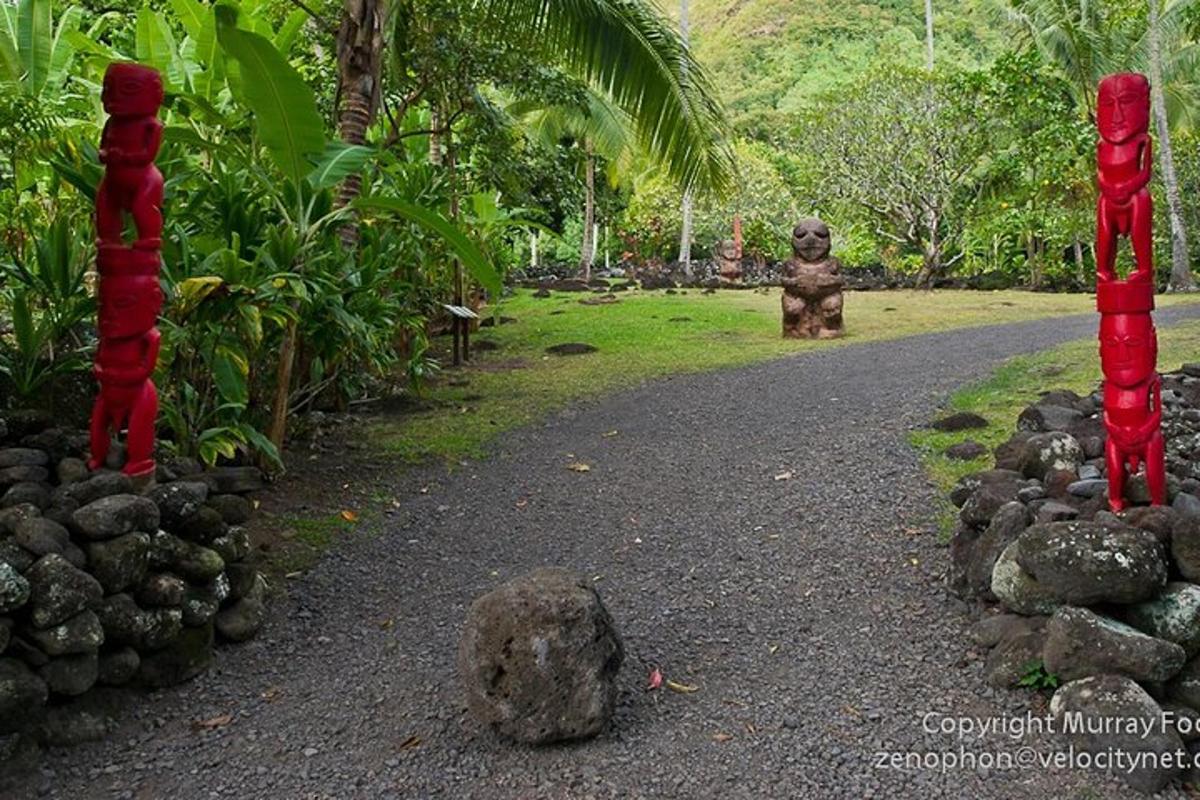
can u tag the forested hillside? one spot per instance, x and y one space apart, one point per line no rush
835 112
769 56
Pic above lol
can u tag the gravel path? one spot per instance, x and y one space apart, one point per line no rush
810 611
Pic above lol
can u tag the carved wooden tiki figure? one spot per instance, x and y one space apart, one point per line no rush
1128 342
129 294
812 285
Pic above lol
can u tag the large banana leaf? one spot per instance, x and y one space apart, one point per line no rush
10 62
156 47
472 257
61 50
35 33
285 111
630 53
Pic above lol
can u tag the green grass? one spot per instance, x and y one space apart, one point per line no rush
1001 397
651 334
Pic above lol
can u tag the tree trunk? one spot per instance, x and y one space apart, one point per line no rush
1079 268
435 141
685 235
359 56
1181 273
277 427
931 262
929 34
587 250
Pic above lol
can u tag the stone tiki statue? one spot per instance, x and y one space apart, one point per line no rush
129 294
1128 342
812 285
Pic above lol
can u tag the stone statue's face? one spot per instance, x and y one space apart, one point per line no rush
1123 107
727 249
1128 348
810 240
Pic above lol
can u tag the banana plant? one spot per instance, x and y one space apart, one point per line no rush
35 51
292 132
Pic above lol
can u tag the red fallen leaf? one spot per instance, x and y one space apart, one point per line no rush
350 516
656 680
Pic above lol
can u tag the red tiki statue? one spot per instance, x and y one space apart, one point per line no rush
129 293
1128 342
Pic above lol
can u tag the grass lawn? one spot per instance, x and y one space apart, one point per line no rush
1002 396
651 334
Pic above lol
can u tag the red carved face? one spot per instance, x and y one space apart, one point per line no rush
1123 107
129 305
1128 348
131 90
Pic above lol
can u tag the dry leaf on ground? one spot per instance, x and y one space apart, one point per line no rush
213 723
682 688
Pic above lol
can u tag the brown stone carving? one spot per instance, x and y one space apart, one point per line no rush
729 261
812 285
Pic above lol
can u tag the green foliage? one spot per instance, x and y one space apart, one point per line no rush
1036 677
48 300
905 149
651 224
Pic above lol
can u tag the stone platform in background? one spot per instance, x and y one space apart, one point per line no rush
1108 604
104 586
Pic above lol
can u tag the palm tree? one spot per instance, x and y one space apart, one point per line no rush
624 46
359 58
1086 44
929 35
602 130
1181 274
685 235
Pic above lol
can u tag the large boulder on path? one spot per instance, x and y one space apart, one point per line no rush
1090 712
1083 563
1173 615
1080 643
539 658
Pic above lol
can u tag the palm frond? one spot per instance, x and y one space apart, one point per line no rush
630 53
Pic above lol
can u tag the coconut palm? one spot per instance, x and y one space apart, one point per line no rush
626 47
685 236
602 130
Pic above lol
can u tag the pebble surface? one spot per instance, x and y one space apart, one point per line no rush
809 611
